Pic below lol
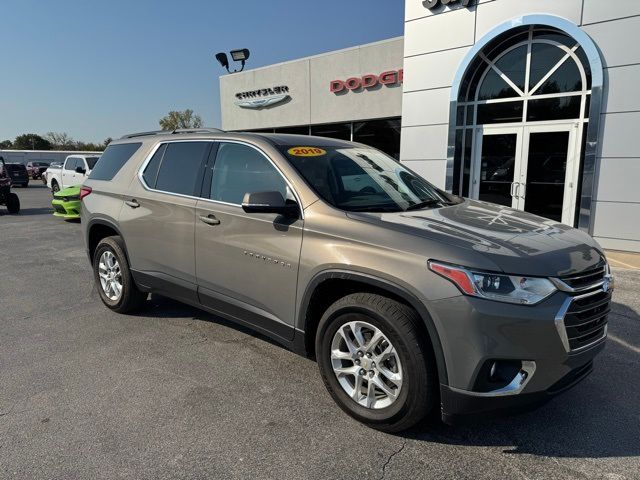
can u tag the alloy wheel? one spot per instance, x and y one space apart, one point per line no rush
366 364
110 275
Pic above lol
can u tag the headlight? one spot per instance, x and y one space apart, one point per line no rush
495 286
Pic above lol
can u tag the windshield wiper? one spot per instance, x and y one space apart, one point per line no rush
375 209
425 204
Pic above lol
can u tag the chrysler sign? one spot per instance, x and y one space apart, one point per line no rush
264 97
390 77
431 4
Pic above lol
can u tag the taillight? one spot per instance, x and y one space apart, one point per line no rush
84 191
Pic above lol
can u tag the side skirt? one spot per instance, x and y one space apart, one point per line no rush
229 309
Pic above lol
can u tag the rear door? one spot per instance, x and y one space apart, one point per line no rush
157 219
246 264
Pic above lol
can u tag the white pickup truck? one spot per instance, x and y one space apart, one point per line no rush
74 171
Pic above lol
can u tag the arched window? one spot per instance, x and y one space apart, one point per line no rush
529 74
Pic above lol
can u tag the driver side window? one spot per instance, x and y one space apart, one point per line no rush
240 169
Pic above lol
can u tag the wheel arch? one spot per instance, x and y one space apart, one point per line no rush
98 229
338 283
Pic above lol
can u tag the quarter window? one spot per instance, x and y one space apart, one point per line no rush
112 160
180 167
151 172
240 169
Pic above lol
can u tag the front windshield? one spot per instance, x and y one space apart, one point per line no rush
361 179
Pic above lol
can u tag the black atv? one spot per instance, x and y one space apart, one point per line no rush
7 197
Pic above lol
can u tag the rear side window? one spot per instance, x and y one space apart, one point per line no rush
180 167
92 161
112 160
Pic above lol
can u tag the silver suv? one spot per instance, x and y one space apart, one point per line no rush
409 298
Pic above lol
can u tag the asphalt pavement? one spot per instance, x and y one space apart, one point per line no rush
174 392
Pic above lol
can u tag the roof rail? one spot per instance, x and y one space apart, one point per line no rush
197 130
177 131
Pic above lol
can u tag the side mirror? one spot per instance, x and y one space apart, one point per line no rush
269 202
80 170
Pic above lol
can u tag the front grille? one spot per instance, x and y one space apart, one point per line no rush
586 278
585 320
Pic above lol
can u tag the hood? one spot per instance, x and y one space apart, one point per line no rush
73 191
517 242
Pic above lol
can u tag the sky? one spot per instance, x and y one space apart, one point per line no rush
102 69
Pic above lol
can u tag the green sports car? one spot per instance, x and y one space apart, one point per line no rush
66 203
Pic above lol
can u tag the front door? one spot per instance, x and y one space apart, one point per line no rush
497 165
530 168
246 263
69 172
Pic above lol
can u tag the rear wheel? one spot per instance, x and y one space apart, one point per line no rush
374 363
113 278
13 203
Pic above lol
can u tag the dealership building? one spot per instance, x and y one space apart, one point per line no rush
531 104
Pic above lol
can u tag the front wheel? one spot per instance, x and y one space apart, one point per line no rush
55 188
113 278
374 363
13 203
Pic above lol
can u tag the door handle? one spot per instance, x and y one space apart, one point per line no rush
133 203
210 219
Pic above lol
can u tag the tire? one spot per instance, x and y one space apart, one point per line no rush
13 203
130 297
398 323
55 188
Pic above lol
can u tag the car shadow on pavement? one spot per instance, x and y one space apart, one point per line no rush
29 211
597 418
164 307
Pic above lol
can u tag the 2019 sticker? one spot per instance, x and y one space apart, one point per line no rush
306 151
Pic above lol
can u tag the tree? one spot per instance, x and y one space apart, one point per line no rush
31 141
107 141
6 144
60 141
175 119
88 147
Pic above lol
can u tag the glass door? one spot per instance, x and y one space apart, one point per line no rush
497 165
548 172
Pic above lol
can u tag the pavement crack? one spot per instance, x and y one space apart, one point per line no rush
393 454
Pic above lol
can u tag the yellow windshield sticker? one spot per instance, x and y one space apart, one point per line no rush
306 152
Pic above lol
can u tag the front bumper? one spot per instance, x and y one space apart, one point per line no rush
69 210
459 406
475 333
